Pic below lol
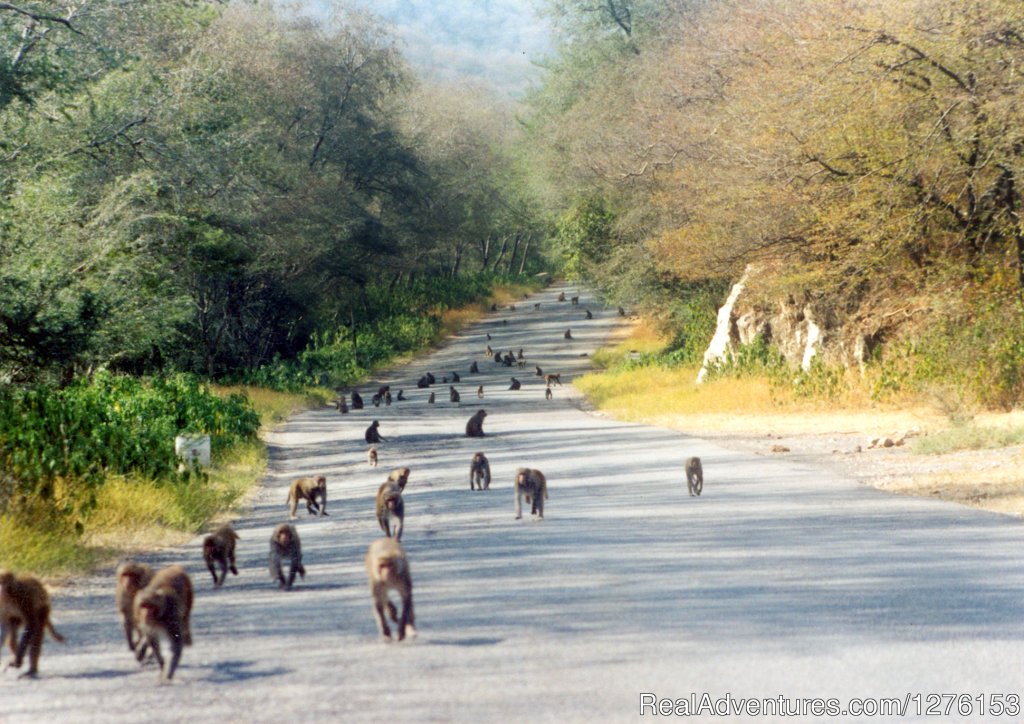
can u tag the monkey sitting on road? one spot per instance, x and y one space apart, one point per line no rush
547 393
516 384
372 434
589 315
388 570
475 425
357 401
219 548
531 485
285 544
568 334
24 602
453 394
473 368
479 472
309 489
694 476
430 400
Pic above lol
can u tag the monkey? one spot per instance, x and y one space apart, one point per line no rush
480 392
357 401
504 321
490 352
371 457
521 364
376 400
131 578
537 305
511 307
568 334
342 405
309 489
383 390
509 359
475 425
575 301
497 358
390 509
488 336
162 610
372 434
516 384
538 371
547 393
520 354
219 547
25 602
453 394
694 476
494 307
387 399
401 396
399 477
622 312
561 296
422 383
455 377
430 399
473 369
479 472
548 379
388 570
589 315
533 486
430 378
444 380
285 543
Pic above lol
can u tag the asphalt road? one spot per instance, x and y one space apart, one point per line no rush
780 581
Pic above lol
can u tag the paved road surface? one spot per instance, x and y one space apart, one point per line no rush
779 580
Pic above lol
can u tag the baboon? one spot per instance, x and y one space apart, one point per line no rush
488 336
376 400
455 377
285 543
422 383
390 509
430 399
515 384
547 393
399 477
622 312
479 472
401 396
504 321
387 398
473 369
372 434
131 578
531 485
494 307
538 371
371 457
444 380
309 489
497 358
511 307
561 296
694 476
357 401
430 378
475 425
521 364
162 610
509 359
568 334
536 305
388 570
589 315
548 379
453 394
480 392
383 390
219 548
342 405
490 352
24 602
520 355
575 301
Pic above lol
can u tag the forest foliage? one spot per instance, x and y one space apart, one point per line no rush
865 156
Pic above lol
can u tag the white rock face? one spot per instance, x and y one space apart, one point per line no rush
720 342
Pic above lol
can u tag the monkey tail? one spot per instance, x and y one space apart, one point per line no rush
54 633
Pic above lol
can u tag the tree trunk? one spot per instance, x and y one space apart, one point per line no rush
526 251
515 250
485 252
504 245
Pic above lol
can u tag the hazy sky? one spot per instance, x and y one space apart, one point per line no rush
493 39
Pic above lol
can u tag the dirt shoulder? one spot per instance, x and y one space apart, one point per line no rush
853 445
